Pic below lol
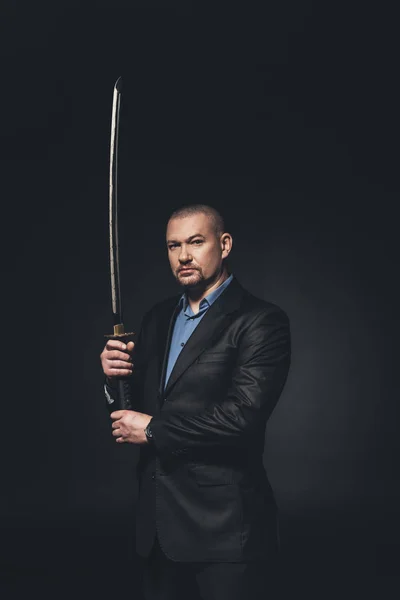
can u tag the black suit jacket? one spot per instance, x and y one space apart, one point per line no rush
202 484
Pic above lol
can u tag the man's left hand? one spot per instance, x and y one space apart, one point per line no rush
129 426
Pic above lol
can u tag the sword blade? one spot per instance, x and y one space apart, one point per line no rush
124 400
113 206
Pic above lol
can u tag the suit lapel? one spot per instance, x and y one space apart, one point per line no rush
165 327
216 319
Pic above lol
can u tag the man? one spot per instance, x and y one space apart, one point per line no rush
206 371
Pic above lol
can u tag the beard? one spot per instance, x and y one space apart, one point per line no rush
190 280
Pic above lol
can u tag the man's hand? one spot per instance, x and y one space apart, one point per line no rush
116 359
129 426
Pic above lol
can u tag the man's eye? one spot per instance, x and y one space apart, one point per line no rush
197 242
172 246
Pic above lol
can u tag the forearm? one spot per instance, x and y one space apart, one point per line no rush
232 422
217 427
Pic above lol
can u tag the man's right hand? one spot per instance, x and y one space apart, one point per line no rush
116 359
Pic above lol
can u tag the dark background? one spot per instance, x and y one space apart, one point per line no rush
285 117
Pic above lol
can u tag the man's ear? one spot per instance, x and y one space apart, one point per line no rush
226 244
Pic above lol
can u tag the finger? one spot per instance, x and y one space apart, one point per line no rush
117 355
119 364
116 433
111 372
115 345
130 346
117 414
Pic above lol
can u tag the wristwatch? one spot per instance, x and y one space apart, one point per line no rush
149 433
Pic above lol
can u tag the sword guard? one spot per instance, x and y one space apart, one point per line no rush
122 337
119 334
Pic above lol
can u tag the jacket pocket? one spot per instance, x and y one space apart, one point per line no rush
213 357
211 474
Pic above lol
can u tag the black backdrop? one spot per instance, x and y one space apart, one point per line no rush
285 118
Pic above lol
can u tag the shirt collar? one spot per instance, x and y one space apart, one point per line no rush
207 300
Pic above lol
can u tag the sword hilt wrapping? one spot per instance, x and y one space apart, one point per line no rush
124 400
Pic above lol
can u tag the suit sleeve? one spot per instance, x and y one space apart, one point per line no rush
260 374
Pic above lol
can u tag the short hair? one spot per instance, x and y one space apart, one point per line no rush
194 209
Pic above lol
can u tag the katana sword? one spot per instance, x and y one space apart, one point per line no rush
119 330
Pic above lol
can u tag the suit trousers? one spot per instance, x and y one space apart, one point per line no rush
165 579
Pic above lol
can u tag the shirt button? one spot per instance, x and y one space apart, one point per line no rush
182 344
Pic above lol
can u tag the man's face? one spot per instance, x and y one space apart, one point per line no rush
194 250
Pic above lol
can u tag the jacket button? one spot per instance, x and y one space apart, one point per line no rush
153 475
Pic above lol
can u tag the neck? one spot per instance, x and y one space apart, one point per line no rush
196 295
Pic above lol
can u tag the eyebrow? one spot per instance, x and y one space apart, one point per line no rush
189 239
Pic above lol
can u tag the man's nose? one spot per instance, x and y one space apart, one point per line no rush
184 255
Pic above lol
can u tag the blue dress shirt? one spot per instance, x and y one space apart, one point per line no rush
187 321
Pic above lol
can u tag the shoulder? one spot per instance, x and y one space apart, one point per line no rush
246 306
262 326
254 309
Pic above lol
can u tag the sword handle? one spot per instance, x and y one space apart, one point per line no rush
124 401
